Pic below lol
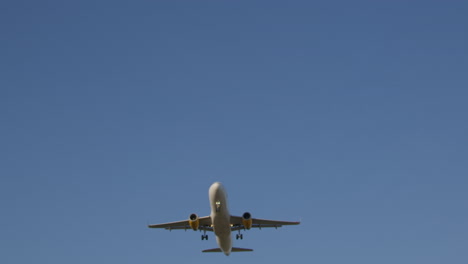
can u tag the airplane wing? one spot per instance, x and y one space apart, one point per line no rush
237 223
205 224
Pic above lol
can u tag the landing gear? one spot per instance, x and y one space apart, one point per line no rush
239 235
204 236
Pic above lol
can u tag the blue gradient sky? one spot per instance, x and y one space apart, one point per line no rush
349 115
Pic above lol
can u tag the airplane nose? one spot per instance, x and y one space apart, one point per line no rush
215 186
214 190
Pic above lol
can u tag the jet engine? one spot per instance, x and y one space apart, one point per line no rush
247 220
194 221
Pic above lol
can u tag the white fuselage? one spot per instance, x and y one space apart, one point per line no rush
220 217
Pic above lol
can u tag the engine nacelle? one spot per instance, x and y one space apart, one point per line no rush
247 220
194 221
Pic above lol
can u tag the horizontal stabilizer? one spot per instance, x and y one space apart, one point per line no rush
234 249
212 250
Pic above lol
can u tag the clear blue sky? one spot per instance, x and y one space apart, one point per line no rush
349 115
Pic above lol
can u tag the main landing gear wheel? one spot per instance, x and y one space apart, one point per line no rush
203 237
239 236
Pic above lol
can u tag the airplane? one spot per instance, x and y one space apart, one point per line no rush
221 222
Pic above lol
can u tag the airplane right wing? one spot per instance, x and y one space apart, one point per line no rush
238 223
261 222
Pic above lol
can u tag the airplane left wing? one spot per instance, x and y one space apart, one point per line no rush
204 224
237 223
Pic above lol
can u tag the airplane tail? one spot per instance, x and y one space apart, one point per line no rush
234 249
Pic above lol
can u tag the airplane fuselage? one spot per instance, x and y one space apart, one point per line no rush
220 217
